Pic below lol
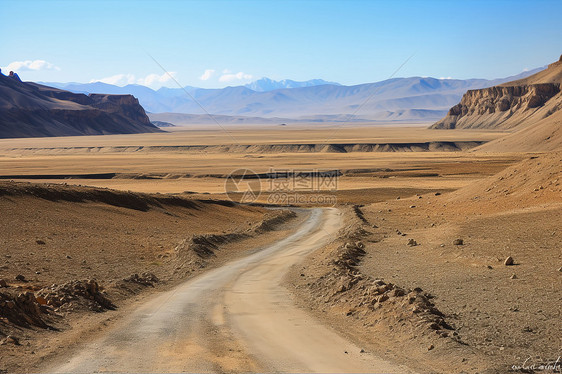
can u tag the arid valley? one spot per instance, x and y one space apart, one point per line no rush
411 225
497 203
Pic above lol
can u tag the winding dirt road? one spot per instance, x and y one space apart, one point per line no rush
236 318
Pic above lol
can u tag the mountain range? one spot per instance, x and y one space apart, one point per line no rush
265 84
398 99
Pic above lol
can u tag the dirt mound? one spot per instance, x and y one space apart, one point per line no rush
333 284
58 192
133 284
198 249
359 213
372 300
272 220
204 246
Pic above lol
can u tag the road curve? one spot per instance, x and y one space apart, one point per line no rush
236 318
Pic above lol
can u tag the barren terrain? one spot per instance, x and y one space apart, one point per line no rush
453 248
234 308
164 163
56 240
424 305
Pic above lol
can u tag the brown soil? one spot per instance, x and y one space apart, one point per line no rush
469 316
62 238
499 315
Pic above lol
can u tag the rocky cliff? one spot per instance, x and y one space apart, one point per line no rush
32 110
531 108
509 105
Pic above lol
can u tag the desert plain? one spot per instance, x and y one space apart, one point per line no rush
413 274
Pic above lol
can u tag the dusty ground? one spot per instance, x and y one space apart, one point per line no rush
236 318
303 133
499 315
486 320
74 160
50 237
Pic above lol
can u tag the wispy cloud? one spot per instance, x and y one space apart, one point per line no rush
229 77
152 79
207 74
29 65
125 79
118 79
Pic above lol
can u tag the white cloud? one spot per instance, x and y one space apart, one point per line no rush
29 65
207 74
151 79
125 79
118 79
445 78
240 76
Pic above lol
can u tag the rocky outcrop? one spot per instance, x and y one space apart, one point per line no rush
22 309
28 309
498 107
514 105
32 110
76 293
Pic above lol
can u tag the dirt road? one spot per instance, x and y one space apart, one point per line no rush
236 318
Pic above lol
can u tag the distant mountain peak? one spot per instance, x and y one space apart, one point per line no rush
266 84
417 98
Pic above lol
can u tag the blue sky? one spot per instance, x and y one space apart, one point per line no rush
235 42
